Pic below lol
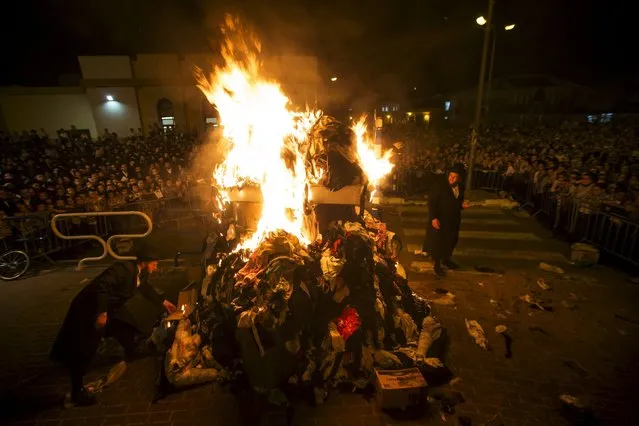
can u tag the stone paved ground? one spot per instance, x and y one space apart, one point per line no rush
582 347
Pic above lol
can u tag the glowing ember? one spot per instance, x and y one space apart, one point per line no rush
373 166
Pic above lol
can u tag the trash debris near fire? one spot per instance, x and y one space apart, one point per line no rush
542 284
532 301
501 329
477 333
442 299
550 268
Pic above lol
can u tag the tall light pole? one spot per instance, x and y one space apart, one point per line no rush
492 65
488 21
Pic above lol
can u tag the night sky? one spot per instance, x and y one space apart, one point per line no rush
388 45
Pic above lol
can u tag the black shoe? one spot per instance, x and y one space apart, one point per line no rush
450 264
438 270
83 398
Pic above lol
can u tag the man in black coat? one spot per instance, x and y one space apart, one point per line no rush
445 203
98 311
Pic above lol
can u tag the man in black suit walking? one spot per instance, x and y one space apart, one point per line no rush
445 203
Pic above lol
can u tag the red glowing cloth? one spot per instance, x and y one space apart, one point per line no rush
348 323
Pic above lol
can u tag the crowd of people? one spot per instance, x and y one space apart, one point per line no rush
595 164
73 173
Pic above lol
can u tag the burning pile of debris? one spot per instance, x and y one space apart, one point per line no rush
301 300
315 315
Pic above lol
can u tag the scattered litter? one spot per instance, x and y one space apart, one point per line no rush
575 367
584 254
447 299
571 400
448 401
488 269
542 284
625 318
501 313
480 284
455 380
568 305
103 382
477 333
421 267
85 281
501 329
576 412
550 268
531 301
434 362
431 331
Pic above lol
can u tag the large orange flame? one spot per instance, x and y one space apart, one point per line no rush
267 138
373 166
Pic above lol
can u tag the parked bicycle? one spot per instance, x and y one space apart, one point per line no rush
26 238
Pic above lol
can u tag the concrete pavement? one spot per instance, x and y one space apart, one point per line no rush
586 346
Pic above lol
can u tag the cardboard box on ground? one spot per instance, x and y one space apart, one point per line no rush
399 388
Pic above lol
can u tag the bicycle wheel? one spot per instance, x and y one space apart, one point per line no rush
13 264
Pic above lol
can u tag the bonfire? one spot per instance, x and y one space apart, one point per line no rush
294 306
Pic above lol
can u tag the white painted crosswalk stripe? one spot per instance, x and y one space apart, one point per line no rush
481 235
500 254
414 222
484 211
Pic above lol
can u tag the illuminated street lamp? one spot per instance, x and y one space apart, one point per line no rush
480 90
508 27
333 79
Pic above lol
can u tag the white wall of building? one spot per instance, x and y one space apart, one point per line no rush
105 67
50 111
118 115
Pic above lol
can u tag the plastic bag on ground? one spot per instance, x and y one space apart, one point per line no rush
431 331
477 333
550 268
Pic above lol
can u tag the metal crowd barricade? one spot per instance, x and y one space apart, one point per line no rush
614 235
106 245
490 180
583 222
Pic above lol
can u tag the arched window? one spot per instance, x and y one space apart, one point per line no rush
165 114
211 115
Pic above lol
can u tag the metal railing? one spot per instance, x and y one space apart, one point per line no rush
581 220
106 245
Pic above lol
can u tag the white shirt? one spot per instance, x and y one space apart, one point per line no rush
138 277
456 191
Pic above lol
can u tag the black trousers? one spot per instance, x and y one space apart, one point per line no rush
121 331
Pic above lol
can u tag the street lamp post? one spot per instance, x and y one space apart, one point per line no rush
492 66
480 94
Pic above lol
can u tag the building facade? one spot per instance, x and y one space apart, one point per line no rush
119 93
